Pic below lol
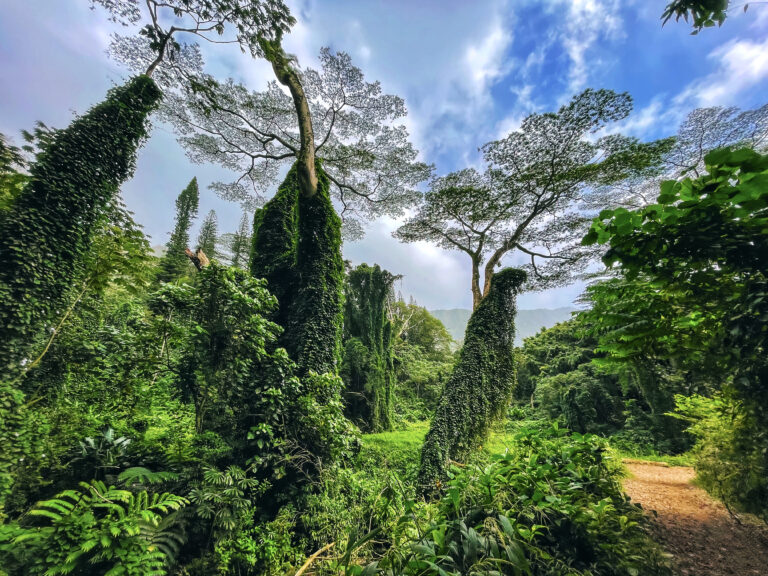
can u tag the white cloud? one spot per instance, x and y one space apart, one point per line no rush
485 62
740 66
586 23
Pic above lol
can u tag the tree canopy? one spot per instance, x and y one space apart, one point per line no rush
530 198
155 47
366 154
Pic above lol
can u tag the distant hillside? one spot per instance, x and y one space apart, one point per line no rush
528 322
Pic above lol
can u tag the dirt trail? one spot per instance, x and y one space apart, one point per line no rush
697 530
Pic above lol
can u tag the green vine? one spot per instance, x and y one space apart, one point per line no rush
481 385
368 367
296 247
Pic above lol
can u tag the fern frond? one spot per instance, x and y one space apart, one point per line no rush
139 475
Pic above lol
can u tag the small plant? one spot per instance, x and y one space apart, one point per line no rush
97 529
102 455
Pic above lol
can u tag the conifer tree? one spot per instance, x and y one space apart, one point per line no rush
175 262
240 244
206 240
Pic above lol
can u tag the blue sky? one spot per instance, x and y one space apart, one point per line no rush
468 70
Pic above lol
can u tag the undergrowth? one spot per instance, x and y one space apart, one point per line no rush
536 501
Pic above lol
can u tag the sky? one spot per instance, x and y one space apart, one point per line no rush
469 72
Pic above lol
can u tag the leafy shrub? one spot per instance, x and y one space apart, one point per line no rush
729 464
552 505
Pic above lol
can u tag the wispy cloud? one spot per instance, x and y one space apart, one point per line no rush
586 23
740 66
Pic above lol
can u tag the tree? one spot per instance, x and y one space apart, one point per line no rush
46 239
155 49
296 247
367 367
241 243
333 115
530 198
238 244
413 325
481 385
175 263
706 129
206 239
702 248
46 234
423 359
703 130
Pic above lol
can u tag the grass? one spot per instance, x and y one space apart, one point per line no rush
677 460
401 449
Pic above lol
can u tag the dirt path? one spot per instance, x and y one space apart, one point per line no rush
697 530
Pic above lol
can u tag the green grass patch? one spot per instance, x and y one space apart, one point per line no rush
676 460
399 450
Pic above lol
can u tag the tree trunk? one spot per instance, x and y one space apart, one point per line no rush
287 76
477 295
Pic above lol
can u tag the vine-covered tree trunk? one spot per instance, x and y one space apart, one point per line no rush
367 368
296 246
46 234
481 384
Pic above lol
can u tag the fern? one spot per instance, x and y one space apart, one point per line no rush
110 530
139 475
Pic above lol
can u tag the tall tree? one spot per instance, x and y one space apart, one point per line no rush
156 50
530 199
46 234
206 239
333 115
703 130
238 244
175 262
481 385
297 235
367 367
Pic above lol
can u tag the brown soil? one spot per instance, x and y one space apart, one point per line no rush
699 533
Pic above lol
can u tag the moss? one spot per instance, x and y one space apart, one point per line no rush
368 365
481 385
297 247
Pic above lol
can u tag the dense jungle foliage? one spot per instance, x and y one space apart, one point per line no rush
251 404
